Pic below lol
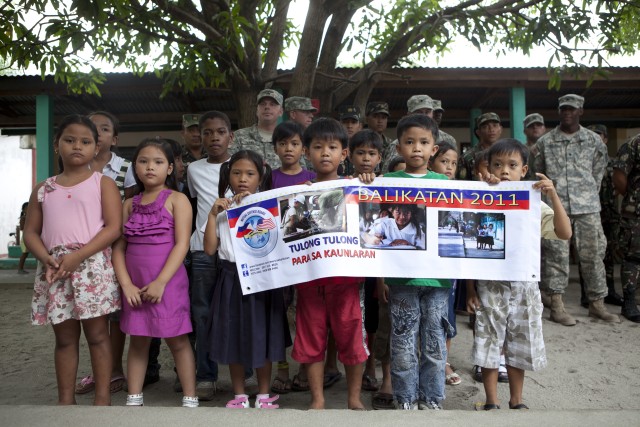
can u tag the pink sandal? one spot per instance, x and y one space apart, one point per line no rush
240 402
267 402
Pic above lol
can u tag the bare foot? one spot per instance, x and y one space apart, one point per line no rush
316 404
355 404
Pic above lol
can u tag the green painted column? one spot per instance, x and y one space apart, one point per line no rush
44 137
475 112
518 111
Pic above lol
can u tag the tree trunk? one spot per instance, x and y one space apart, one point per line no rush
244 97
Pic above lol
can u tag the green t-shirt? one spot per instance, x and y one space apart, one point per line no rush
434 283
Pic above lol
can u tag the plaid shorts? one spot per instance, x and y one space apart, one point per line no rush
510 318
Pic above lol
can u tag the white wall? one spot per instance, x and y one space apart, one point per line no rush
15 178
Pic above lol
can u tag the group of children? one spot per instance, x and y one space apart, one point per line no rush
74 219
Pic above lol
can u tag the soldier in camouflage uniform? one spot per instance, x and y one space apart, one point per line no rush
575 159
534 128
626 179
192 149
377 116
488 130
300 110
258 137
438 112
610 218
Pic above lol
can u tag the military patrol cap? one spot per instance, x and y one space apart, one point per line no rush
299 103
487 117
437 105
270 93
533 118
189 120
349 112
377 107
571 100
417 102
601 129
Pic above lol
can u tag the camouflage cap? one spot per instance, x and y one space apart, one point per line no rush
571 100
299 103
189 120
270 93
533 118
487 117
601 129
417 102
349 112
437 105
377 107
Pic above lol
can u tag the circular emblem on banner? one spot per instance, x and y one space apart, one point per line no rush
258 230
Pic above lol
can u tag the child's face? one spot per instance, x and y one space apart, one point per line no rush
106 138
402 215
325 156
290 150
76 145
216 138
179 167
152 167
351 126
416 146
482 167
446 163
244 176
508 166
365 159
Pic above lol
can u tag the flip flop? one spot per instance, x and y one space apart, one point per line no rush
330 378
369 383
280 386
86 385
298 384
382 401
117 383
453 379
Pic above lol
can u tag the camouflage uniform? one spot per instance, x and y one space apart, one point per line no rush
610 218
467 164
576 166
628 161
250 139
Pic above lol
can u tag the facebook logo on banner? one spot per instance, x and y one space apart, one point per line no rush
245 270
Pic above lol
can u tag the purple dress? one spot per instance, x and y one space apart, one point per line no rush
150 238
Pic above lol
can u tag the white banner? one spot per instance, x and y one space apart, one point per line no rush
390 228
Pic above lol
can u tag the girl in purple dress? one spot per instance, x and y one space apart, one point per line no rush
148 262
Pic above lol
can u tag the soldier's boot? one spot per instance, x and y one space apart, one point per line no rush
558 313
599 311
546 299
629 308
612 297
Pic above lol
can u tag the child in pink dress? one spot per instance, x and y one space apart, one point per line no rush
148 261
72 220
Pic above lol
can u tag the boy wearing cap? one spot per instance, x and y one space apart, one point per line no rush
258 137
488 130
575 159
300 110
350 119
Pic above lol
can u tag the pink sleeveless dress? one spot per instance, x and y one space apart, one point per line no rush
150 238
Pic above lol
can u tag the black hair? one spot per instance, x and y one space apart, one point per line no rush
286 130
214 115
508 146
74 119
113 119
176 148
417 121
325 129
264 171
395 162
443 147
366 138
164 146
413 209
